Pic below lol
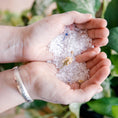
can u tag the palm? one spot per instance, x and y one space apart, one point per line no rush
47 86
98 71
39 34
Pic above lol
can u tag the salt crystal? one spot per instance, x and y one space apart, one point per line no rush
65 47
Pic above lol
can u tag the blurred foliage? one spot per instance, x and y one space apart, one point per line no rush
115 111
111 14
104 104
40 6
75 108
8 18
83 6
114 60
36 104
113 39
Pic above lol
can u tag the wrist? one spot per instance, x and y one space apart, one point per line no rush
19 34
11 44
26 77
9 95
26 43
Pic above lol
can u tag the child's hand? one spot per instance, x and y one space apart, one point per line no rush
38 35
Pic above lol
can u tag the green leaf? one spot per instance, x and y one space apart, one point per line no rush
57 108
34 19
103 106
111 14
9 18
114 82
115 111
37 104
32 114
105 5
114 60
106 88
83 6
9 65
39 7
107 50
113 39
75 108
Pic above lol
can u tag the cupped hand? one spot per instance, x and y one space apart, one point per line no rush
41 81
37 36
99 69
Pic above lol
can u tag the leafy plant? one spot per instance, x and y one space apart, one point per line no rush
105 103
83 6
113 39
111 14
104 106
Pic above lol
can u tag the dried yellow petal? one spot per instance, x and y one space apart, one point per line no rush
67 61
80 81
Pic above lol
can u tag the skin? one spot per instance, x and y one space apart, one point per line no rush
28 44
41 83
54 25
98 67
46 84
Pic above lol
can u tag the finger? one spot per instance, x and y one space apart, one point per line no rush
101 56
98 33
100 42
74 85
93 24
69 18
88 55
100 75
105 62
85 94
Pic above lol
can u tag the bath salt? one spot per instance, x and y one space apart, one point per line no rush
72 42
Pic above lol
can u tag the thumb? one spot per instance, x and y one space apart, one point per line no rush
85 94
69 18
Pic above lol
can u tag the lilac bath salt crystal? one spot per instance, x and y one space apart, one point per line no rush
65 47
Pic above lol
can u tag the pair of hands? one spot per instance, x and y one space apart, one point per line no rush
40 77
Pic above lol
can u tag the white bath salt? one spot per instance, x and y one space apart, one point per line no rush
65 47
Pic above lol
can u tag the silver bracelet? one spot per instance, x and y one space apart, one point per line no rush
20 86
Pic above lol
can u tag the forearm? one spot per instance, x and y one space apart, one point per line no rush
9 95
11 44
